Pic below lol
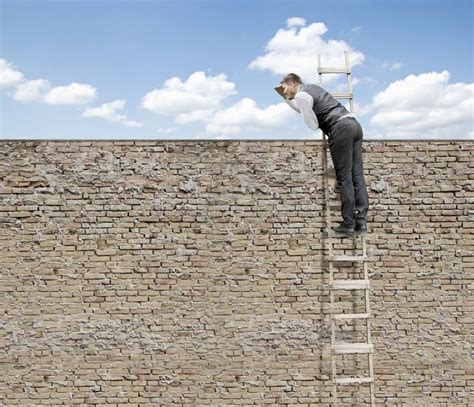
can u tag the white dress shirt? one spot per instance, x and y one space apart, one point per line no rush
303 103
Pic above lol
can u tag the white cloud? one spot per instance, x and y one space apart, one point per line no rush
200 98
195 99
75 93
396 66
196 115
108 111
425 106
344 87
24 90
41 90
362 109
246 115
369 80
295 50
166 130
393 66
294 21
28 91
9 76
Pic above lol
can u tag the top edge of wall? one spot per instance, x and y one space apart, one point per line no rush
233 140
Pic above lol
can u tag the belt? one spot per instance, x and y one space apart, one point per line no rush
351 115
347 116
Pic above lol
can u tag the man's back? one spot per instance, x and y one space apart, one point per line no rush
326 107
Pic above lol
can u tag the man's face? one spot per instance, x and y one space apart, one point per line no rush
289 89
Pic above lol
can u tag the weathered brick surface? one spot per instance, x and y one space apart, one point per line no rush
192 273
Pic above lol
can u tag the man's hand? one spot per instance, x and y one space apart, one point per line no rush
279 90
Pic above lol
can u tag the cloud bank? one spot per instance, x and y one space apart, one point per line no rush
295 49
41 90
425 106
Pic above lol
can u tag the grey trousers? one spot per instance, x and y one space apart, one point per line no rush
345 144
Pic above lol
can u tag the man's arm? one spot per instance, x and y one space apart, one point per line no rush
305 102
293 104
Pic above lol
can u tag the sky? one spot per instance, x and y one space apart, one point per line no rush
206 69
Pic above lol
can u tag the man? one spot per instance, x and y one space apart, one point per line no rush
321 110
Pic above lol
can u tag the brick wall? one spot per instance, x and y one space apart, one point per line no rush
194 273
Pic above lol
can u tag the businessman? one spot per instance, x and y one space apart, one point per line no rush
321 110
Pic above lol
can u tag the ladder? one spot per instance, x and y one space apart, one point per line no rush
345 284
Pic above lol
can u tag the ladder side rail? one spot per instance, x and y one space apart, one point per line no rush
349 80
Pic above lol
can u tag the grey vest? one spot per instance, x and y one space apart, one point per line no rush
326 108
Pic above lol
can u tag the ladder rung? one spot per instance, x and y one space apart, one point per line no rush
350 284
348 380
343 95
350 316
345 257
353 348
334 70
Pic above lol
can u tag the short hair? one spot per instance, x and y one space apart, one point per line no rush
291 77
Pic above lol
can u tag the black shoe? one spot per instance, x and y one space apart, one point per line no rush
361 227
344 230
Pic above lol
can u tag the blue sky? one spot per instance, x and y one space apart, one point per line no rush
206 69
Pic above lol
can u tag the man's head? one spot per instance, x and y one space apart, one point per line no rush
290 85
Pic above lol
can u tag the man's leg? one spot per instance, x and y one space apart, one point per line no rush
342 147
360 188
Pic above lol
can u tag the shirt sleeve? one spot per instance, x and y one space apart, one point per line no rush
292 104
305 103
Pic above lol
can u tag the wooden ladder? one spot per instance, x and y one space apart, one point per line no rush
360 284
